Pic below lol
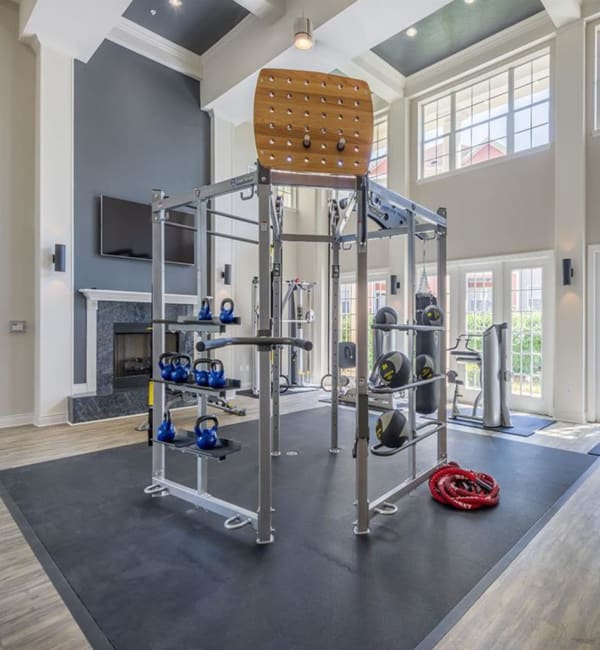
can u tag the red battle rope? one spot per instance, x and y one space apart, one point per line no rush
464 489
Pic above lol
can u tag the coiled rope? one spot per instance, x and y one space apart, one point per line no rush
464 489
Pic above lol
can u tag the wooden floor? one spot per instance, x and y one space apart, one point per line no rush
547 598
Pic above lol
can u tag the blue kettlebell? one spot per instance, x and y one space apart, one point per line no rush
181 367
216 376
201 376
166 430
165 364
226 315
205 312
207 438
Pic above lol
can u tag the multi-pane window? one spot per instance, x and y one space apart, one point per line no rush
532 104
479 311
481 121
507 112
378 168
435 146
377 290
526 326
288 193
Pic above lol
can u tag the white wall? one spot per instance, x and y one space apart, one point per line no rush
17 210
593 147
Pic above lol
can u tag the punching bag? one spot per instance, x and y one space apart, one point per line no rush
427 397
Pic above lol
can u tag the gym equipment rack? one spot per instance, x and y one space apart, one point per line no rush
311 130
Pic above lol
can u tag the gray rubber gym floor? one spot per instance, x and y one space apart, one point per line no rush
156 573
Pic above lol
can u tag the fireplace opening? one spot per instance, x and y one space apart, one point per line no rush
132 346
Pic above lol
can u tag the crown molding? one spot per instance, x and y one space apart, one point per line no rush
145 42
510 42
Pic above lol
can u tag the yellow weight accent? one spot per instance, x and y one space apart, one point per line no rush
150 393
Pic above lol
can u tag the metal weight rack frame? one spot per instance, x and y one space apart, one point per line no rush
394 214
198 202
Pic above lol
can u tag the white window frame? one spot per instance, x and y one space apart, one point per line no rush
381 117
293 194
453 90
501 268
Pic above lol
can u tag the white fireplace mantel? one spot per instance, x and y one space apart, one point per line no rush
99 295
93 297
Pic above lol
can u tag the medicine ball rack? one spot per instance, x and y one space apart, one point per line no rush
311 130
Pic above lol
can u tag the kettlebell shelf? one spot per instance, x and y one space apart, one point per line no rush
214 326
230 385
185 442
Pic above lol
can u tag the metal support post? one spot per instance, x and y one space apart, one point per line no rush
411 290
442 414
335 337
276 280
264 532
158 328
202 257
362 359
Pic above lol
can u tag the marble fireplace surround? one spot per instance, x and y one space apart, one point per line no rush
97 376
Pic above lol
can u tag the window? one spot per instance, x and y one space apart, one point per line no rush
479 309
378 168
507 112
526 326
289 195
377 290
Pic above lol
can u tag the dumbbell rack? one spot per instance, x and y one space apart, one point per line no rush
185 441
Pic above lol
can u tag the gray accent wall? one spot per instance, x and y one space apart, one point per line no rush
138 126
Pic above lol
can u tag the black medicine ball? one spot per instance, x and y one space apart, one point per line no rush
425 366
394 369
433 315
392 429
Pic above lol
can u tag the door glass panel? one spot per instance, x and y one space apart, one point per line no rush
526 327
478 317
377 290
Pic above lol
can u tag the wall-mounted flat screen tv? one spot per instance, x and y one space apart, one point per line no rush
126 231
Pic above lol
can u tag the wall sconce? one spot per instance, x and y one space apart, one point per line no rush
59 259
394 285
567 271
226 274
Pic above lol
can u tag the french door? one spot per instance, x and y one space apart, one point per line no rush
518 291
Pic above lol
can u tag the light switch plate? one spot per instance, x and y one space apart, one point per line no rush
17 326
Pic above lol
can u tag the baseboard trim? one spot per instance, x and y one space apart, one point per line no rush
49 420
19 420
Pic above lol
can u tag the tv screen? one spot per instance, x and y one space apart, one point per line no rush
126 231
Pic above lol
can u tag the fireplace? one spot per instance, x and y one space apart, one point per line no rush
132 354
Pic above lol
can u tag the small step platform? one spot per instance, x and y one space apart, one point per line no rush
185 442
214 326
191 387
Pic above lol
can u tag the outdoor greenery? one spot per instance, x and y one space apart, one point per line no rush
526 350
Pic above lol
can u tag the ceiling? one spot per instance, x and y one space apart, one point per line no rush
451 29
196 25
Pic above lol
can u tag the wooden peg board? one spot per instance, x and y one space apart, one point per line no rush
292 104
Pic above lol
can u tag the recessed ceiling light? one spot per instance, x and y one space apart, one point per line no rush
176 3
469 2
153 12
412 32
